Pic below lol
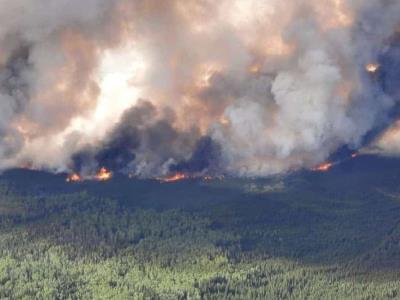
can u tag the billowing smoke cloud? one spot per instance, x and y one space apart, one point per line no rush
244 87
49 50
146 143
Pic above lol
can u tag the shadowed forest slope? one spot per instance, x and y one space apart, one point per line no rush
331 235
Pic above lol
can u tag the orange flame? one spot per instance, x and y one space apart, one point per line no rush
74 178
103 175
254 69
175 177
372 68
323 167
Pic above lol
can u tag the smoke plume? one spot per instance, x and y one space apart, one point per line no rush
240 87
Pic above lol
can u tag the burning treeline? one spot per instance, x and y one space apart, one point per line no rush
326 166
102 175
159 88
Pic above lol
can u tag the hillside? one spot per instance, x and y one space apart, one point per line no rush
307 235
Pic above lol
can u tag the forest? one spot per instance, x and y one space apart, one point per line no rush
333 235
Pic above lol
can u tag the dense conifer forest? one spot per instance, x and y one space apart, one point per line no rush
305 236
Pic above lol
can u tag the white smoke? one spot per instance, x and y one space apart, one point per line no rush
279 86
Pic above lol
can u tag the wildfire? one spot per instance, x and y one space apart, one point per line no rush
103 175
183 176
175 177
74 178
372 68
254 69
323 167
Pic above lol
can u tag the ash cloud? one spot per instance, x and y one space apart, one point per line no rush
48 51
244 87
206 158
145 143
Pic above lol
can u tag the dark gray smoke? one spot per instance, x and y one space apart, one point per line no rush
145 135
244 87
206 159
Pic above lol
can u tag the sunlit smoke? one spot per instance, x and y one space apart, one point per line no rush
194 88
